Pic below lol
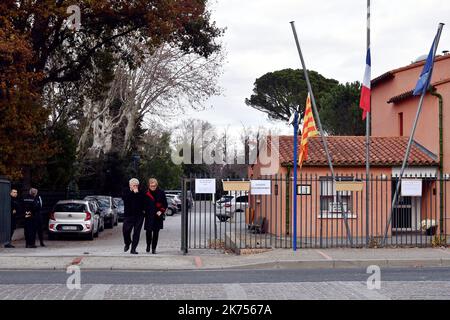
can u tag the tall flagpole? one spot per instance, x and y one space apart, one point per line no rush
368 137
313 100
411 137
294 189
319 124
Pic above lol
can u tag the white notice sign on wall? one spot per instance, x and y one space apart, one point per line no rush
411 188
207 186
260 187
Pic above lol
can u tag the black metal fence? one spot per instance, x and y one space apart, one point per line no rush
329 214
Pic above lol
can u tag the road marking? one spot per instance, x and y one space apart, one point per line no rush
76 261
198 262
97 292
324 255
235 291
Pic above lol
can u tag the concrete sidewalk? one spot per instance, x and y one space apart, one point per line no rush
208 260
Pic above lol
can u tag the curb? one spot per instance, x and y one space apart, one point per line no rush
281 264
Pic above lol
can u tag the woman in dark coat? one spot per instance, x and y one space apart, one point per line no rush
155 209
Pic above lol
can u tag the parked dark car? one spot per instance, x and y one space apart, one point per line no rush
108 207
120 208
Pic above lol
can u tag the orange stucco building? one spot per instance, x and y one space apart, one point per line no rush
321 208
394 107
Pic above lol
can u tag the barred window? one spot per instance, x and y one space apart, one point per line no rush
333 204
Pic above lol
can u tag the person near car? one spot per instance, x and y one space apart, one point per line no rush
15 209
38 220
32 210
134 201
155 209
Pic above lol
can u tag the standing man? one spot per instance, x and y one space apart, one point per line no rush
15 209
155 209
133 201
32 208
38 221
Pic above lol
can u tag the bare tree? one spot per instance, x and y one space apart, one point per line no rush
167 82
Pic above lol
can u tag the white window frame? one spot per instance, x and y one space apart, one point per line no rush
328 186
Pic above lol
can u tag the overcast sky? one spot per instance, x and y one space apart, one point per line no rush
332 36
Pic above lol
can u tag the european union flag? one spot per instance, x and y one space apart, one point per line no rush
425 77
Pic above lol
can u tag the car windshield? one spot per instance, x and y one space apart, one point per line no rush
70 207
103 203
118 202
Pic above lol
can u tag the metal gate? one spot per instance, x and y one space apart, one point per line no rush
327 217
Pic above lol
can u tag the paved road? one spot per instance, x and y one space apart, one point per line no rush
427 283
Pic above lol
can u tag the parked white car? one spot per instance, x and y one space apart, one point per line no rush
74 217
228 205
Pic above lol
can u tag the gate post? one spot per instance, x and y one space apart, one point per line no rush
184 219
5 210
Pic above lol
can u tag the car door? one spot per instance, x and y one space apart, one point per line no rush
241 203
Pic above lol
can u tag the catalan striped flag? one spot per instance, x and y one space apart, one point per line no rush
309 130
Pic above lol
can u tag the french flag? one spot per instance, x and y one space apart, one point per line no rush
364 103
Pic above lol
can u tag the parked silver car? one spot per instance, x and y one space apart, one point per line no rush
120 208
74 217
172 205
229 205
108 208
189 199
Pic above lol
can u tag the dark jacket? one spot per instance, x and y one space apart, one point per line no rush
133 203
15 211
155 201
31 207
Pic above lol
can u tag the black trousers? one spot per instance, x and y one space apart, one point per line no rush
38 225
30 232
152 238
130 224
13 227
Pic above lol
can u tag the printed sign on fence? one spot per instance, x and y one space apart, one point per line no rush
205 186
260 187
412 188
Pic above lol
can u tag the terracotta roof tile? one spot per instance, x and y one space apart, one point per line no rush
351 151
409 94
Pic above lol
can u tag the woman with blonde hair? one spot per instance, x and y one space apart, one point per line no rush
155 209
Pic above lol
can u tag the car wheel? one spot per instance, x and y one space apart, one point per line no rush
110 225
90 235
223 219
102 225
117 221
169 212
